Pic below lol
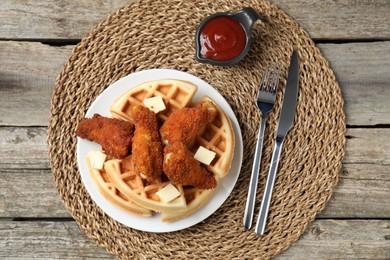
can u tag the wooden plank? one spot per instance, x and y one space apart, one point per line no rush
29 193
343 19
47 240
53 19
335 239
23 148
362 191
28 71
362 70
369 146
342 239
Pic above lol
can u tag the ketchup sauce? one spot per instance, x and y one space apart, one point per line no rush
222 39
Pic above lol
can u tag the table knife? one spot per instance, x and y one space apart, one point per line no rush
285 123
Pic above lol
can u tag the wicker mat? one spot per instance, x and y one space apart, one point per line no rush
159 34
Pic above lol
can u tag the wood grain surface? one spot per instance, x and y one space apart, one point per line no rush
36 39
347 238
66 20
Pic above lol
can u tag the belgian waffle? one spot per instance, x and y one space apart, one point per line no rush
175 93
139 190
217 136
112 194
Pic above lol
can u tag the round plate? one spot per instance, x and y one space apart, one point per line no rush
153 224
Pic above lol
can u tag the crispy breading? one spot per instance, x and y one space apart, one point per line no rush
114 135
181 168
147 149
185 124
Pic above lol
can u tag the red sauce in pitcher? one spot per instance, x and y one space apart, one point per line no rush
222 38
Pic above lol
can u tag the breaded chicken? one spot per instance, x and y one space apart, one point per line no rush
147 149
114 135
181 167
185 124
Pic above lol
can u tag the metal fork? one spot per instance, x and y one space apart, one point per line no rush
265 102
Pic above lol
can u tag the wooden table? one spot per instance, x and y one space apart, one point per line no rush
36 38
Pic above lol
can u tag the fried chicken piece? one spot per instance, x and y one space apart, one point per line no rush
114 135
147 148
185 124
181 167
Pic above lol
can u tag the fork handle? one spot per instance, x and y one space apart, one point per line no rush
265 202
250 202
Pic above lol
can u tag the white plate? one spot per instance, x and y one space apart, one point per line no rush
153 224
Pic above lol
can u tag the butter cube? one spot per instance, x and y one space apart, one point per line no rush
155 104
168 193
204 155
97 159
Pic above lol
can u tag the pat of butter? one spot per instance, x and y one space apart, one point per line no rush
155 104
204 155
168 193
97 159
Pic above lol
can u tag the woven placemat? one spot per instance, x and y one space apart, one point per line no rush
159 34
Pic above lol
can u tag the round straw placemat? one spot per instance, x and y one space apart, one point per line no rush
160 34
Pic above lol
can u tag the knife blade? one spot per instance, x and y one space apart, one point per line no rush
286 120
289 105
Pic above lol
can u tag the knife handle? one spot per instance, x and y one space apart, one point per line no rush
265 202
250 201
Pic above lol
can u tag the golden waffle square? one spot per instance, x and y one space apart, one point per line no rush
194 198
132 185
112 194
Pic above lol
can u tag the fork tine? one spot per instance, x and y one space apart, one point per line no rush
276 80
263 81
270 79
